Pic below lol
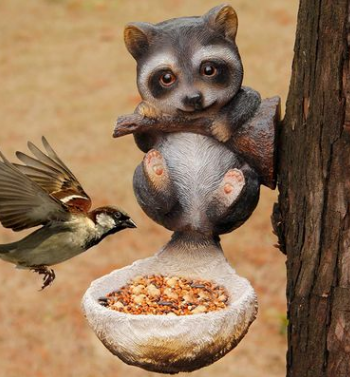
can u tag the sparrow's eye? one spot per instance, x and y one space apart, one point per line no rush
167 79
117 215
208 69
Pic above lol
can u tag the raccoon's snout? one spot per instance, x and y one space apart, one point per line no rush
194 101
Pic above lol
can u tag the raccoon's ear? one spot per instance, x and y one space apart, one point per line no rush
223 19
137 37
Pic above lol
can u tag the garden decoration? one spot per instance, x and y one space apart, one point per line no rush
209 143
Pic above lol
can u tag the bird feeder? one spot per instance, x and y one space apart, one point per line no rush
209 144
172 344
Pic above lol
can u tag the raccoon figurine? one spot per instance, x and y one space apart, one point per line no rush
189 74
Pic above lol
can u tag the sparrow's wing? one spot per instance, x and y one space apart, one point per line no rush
23 203
52 174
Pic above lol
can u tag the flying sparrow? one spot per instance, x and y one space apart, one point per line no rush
43 191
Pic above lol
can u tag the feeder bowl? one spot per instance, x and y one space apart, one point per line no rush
169 344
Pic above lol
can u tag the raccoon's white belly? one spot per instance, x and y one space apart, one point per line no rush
196 166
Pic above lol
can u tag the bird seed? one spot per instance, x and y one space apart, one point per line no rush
163 295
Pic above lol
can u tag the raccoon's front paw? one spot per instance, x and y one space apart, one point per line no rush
220 130
156 171
230 187
147 110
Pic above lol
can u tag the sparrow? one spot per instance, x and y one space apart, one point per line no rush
43 191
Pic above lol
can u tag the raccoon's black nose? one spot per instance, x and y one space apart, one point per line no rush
195 101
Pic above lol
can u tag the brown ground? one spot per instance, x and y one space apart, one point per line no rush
66 74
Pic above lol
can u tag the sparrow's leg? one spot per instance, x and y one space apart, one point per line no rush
227 193
49 275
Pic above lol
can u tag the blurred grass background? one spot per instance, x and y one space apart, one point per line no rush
66 74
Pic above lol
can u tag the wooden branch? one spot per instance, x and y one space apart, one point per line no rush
136 123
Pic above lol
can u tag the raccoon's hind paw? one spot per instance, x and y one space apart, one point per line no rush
225 196
230 187
156 171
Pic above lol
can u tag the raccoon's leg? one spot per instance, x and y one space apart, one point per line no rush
153 187
230 188
226 194
234 200
156 172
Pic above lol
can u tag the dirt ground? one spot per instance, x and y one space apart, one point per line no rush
66 74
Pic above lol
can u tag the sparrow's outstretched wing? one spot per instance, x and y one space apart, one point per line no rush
23 203
52 174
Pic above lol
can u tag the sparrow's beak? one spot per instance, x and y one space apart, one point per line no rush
129 224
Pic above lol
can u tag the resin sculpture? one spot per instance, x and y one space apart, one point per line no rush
209 144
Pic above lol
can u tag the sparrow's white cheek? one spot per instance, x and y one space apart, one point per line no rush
105 221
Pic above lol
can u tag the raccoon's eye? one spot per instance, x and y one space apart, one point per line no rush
208 69
167 79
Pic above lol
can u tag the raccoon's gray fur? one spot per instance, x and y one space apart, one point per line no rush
196 165
191 67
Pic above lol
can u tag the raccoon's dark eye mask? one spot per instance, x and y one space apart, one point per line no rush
219 69
162 82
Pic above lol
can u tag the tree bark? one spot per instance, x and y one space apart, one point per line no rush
313 214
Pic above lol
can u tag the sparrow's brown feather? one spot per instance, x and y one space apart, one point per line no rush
52 174
23 203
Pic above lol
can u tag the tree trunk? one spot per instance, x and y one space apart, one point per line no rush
313 218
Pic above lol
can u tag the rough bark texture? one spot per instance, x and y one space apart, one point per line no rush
314 182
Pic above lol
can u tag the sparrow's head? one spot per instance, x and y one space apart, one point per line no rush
110 220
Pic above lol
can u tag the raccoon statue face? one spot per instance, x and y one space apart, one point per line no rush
187 65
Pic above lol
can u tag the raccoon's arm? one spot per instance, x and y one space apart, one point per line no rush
146 140
233 115
243 106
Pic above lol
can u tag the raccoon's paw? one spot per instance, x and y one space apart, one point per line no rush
156 170
230 187
147 110
221 131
